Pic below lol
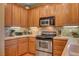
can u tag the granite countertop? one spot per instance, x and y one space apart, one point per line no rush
71 41
14 37
32 35
61 37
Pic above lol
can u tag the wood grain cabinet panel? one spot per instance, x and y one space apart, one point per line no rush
57 53
36 17
8 15
23 17
10 42
11 47
22 46
16 15
30 18
60 15
51 10
59 42
11 50
32 45
43 11
58 46
73 14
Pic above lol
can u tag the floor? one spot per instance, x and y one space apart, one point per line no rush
28 54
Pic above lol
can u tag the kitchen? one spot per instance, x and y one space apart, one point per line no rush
41 29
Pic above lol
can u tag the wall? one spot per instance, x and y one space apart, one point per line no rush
1 29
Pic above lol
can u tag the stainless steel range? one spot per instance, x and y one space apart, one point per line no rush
44 43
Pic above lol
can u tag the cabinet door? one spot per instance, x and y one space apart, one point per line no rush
23 14
32 45
11 50
74 14
26 18
58 46
43 11
22 46
36 17
59 15
30 18
11 47
16 15
8 15
51 9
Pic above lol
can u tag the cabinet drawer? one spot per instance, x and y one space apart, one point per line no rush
22 40
59 48
10 42
57 53
59 42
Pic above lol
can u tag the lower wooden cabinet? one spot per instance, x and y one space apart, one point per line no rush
16 47
32 45
11 47
11 50
58 46
22 46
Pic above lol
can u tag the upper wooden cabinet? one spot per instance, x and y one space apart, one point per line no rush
65 14
16 15
51 10
30 18
8 15
43 11
73 14
36 17
59 15
23 17
47 10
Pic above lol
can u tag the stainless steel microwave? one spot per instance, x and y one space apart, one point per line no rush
47 21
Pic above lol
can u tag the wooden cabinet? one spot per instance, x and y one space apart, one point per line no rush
58 46
36 17
32 45
16 47
60 14
8 15
16 15
11 47
23 17
51 10
22 46
73 14
43 11
30 18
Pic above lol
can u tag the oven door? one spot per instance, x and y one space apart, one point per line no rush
44 45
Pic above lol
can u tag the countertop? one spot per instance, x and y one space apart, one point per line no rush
15 37
61 37
71 41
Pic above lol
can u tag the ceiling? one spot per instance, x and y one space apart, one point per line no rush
31 5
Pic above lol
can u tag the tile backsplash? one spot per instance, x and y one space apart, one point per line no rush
67 30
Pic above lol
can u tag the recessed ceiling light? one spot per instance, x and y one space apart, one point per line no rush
27 7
